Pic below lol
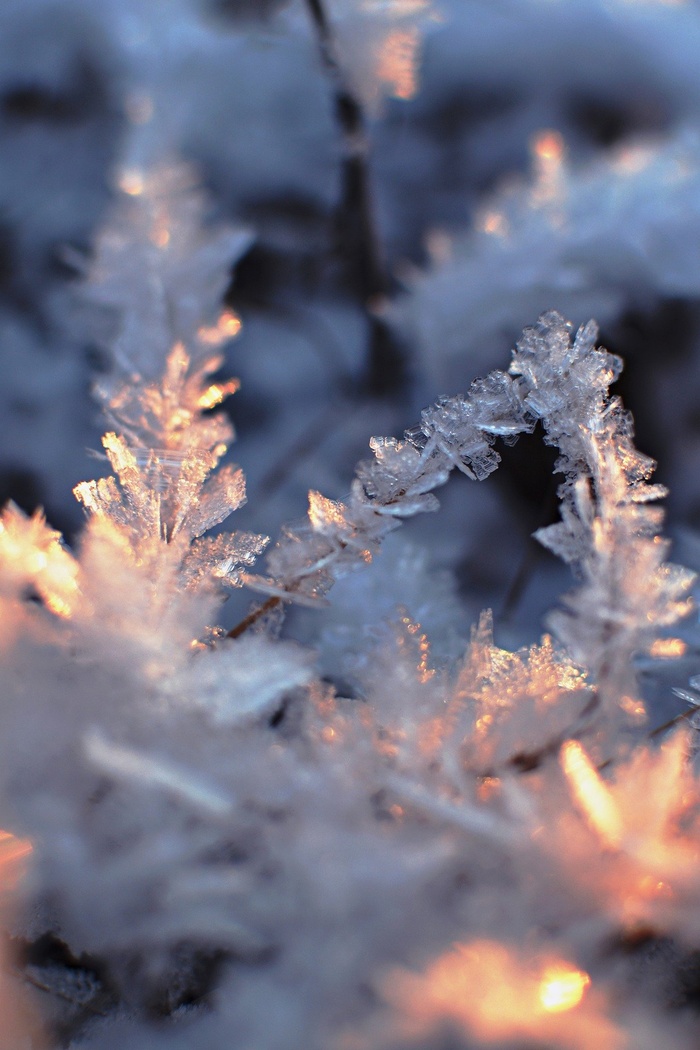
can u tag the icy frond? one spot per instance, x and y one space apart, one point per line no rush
465 429
168 413
167 442
519 705
452 742
607 532
162 271
169 573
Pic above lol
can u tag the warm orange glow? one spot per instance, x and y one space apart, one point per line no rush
325 513
11 848
633 707
58 606
498 994
160 236
132 182
562 989
216 393
13 852
398 8
488 787
398 62
668 648
548 154
493 222
228 326
592 794
34 554
548 147
483 723
632 159
650 886
423 669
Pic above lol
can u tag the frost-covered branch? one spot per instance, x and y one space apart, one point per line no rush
607 532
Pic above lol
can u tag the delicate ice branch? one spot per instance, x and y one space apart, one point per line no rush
607 532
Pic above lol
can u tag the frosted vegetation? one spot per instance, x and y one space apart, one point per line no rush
272 793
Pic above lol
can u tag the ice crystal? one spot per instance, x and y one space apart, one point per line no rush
607 532
167 442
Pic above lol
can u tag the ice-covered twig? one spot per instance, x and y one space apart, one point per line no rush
608 533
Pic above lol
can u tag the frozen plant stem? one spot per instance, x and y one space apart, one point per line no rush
253 617
355 222
609 528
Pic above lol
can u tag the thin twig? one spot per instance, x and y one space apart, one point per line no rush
683 717
253 617
653 733
356 225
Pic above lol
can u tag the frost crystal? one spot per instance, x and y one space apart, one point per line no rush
165 276
607 532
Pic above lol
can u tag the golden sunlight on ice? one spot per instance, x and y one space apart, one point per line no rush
423 670
19 1017
228 326
591 793
216 393
562 988
37 557
397 62
160 237
496 994
493 222
633 707
323 511
548 154
548 148
649 814
668 648
13 851
132 182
